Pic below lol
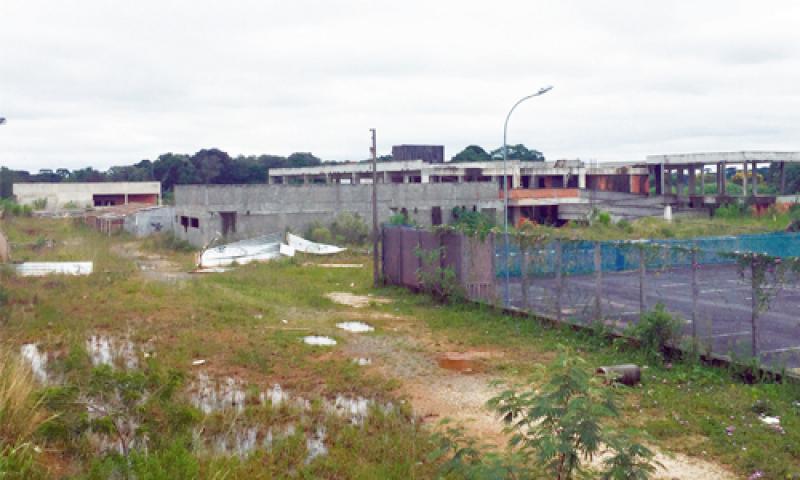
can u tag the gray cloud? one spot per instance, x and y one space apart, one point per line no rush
101 83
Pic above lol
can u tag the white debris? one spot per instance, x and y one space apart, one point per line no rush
319 340
302 245
41 269
198 362
355 327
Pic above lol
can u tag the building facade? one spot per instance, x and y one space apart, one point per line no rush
67 195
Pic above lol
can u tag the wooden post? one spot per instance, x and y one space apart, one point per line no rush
598 281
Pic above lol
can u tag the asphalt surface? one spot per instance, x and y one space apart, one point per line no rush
724 307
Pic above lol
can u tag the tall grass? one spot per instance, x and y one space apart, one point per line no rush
21 412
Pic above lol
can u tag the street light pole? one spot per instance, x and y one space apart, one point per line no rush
507 292
375 271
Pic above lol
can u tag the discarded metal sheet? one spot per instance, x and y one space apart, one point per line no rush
302 245
259 249
41 269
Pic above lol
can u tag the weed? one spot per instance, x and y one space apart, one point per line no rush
561 424
656 330
21 413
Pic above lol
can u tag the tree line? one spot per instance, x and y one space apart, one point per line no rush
215 166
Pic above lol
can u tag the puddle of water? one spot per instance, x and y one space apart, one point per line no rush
356 327
276 396
210 396
105 350
36 359
315 444
354 408
356 301
319 340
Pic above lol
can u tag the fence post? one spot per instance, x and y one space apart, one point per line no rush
523 276
754 305
559 279
695 294
642 272
598 279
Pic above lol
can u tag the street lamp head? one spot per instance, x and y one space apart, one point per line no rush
544 90
2 120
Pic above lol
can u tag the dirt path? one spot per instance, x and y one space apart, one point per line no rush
444 384
151 266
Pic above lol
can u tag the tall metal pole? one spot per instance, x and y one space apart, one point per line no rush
507 291
375 271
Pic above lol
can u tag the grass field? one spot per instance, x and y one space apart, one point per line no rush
246 328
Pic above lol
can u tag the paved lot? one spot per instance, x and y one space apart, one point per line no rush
724 307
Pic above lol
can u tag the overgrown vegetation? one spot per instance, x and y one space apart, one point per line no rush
21 415
235 321
657 330
9 207
346 229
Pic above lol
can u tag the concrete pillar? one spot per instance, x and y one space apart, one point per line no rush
306 179
582 180
681 181
405 177
659 169
692 180
425 178
782 190
667 181
516 180
744 179
722 180
755 178
126 199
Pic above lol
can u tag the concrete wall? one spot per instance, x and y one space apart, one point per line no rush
149 221
274 208
81 194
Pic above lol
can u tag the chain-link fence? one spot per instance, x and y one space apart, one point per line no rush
736 296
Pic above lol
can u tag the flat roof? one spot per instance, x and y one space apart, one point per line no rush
727 157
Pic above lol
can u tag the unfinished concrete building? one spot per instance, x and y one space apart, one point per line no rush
206 213
67 195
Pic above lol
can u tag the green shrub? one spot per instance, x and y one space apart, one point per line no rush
625 226
472 223
40 204
320 234
351 229
657 330
400 219
71 206
666 232
604 218
731 211
168 241
566 420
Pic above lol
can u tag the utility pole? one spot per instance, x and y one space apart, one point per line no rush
375 271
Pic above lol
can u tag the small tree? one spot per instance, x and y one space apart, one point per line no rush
560 425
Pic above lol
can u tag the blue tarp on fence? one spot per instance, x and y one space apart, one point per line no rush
618 256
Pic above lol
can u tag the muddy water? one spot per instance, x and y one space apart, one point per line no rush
36 359
107 350
214 396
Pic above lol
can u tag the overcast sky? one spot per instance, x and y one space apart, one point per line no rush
102 83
